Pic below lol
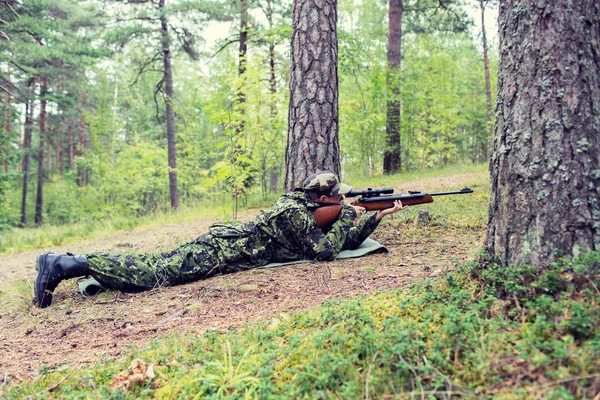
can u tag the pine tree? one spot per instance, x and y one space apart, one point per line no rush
545 168
313 143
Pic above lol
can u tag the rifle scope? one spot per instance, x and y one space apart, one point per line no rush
370 192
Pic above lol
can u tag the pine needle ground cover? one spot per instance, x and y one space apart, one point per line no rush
475 333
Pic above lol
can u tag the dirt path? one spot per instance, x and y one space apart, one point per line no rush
76 329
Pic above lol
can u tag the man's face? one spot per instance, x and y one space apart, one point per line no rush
333 199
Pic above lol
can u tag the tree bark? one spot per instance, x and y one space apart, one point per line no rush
81 144
274 171
488 90
71 146
58 154
392 160
29 109
312 140
39 200
168 80
272 80
545 173
7 129
243 49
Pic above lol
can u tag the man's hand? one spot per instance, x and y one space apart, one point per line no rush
397 207
358 210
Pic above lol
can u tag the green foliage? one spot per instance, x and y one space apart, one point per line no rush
123 128
442 91
7 214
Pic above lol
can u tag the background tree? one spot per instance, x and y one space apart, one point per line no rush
486 69
392 159
545 175
427 16
140 23
105 155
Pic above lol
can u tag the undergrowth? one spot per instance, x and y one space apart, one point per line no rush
111 221
481 331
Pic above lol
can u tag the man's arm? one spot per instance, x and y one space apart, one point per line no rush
360 233
313 242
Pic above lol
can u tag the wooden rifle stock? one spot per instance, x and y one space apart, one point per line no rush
328 214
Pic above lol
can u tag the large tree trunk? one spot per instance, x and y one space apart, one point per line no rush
39 200
29 109
545 172
312 140
392 160
168 79
488 90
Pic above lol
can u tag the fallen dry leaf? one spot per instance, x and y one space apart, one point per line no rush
137 373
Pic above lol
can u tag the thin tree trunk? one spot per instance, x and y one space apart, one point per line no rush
274 169
39 201
242 54
29 109
71 146
81 144
392 160
312 140
488 90
545 167
7 117
168 79
48 152
58 153
272 81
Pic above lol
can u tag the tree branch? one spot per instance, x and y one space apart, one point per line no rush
224 46
144 65
158 87
7 3
137 19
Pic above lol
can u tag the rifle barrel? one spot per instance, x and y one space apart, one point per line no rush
462 191
410 195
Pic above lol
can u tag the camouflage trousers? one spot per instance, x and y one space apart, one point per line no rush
192 261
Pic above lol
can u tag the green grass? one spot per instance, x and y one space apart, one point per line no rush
359 180
477 332
18 240
16 297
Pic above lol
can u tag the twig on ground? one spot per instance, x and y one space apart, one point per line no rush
53 387
561 381
369 375
362 277
593 284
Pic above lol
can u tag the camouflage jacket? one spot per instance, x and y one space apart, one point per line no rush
285 232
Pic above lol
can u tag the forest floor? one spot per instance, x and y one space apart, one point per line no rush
87 330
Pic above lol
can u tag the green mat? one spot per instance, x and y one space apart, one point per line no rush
90 286
369 246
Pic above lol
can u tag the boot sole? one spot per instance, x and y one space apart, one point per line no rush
46 298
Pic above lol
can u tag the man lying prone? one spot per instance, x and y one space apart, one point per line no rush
285 232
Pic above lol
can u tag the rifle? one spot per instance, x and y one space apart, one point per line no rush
377 199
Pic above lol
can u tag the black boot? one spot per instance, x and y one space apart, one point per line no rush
53 268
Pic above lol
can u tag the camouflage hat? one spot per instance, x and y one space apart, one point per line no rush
327 182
